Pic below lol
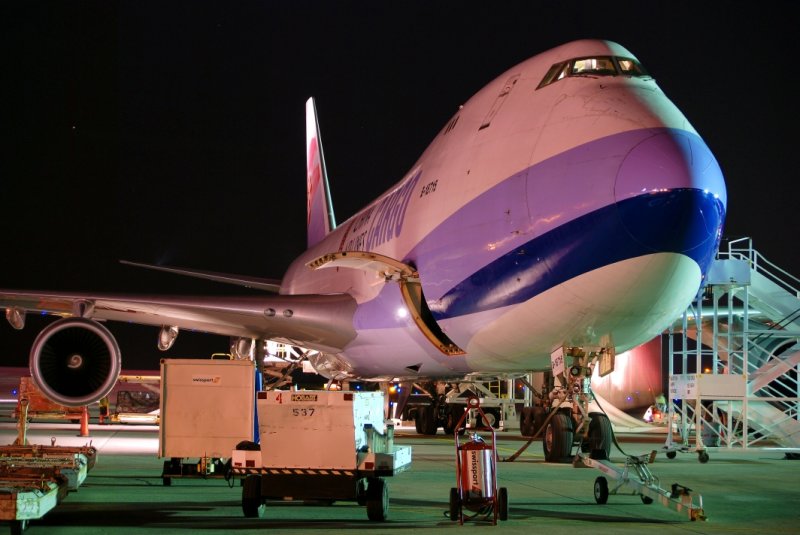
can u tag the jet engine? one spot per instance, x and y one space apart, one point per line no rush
75 361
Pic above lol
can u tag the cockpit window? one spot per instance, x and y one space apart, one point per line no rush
594 66
631 67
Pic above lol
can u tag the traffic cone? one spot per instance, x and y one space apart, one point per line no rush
84 422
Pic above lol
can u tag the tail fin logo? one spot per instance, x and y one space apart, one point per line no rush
314 173
320 220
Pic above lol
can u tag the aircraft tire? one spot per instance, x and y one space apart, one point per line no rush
557 442
426 417
418 420
452 421
527 422
601 435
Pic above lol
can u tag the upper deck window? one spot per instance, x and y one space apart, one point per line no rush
593 66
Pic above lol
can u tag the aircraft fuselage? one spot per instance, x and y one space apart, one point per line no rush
583 211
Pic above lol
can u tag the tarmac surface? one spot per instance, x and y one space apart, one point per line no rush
755 491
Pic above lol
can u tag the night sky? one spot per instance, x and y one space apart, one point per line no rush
173 132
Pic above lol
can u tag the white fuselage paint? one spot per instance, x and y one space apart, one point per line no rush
622 304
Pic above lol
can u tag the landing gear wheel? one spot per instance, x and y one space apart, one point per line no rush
426 420
557 441
252 504
166 481
455 505
598 443
526 422
702 456
502 503
377 500
671 454
18 526
452 421
647 500
601 490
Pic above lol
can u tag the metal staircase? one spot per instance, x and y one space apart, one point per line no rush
735 358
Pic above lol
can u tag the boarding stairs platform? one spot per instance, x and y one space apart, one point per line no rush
735 358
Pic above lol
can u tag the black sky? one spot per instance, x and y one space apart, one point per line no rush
173 132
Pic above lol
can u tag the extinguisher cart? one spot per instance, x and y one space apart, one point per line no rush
476 474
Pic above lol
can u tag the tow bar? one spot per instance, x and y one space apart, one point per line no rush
635 478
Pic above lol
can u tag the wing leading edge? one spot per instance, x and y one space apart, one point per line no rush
322 322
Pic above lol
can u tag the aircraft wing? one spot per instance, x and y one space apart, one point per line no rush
322 322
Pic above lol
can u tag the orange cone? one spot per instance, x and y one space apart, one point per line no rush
84 422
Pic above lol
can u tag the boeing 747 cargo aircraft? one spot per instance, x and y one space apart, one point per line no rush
567 211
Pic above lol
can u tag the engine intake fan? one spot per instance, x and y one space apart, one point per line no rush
75 361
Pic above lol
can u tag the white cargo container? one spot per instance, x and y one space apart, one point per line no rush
295 425
206 410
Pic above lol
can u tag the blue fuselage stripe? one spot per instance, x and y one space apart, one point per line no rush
684 221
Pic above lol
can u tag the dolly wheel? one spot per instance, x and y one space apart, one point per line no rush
671 454
252 504
502 503
361 492
377 500
601 490
702 457
455 505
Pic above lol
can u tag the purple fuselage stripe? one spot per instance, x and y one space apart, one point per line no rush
584 184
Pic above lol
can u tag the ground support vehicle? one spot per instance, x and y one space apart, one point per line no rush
440 404
321 446
33 404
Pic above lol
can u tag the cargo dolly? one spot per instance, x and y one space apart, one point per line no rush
320 447
34 479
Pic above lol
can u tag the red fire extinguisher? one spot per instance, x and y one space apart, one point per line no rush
476 474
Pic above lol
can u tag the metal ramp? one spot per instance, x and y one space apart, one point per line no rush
735 362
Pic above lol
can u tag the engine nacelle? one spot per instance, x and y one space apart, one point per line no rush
75 361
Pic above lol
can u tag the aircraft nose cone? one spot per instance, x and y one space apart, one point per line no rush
671 195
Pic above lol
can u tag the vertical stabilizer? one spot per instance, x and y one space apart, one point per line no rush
320 208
